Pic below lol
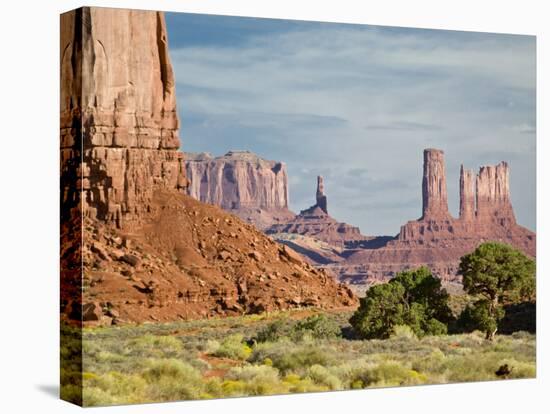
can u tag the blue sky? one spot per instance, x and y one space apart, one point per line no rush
358 104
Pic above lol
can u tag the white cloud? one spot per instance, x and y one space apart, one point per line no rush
338 99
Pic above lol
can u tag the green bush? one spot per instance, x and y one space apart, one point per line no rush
274 331
318 327
322 376
233 347
257 379
414 298
172 379
403 332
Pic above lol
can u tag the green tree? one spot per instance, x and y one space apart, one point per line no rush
498 274
413 298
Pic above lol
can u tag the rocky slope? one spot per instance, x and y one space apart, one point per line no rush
242 183
148 251
193 260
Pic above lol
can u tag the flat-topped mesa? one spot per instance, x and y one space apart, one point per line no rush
493 194
467 195
434 186
118 113
320 196
237 180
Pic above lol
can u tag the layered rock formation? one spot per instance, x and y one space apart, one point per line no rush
145 249
119 126
316 223
437 239
242 183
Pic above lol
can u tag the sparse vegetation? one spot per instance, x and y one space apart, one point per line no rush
298 352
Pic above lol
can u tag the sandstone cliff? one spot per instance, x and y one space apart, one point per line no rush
134 246
119 126
242 183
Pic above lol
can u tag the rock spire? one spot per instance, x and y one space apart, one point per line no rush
320 195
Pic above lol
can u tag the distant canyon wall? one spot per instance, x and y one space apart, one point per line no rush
238 179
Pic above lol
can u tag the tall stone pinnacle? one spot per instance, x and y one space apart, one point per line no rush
434 186
493 193
467 194
119 125
320 196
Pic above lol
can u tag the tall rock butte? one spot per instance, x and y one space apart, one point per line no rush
241 183
118 112
134 246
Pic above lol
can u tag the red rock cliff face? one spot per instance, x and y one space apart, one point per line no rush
118 112
242 183
239 179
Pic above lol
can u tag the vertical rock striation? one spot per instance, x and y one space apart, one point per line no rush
467 195
434 186
239 179
242 183
493 194
118 112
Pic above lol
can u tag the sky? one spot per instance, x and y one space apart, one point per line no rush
357 104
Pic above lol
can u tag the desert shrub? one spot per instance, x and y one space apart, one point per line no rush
322 376
153 345
391 373
232 388
431 363
403 332
287 356
233 347
317 327
274 331
255 380
172 379
112 388
295 383
254 372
